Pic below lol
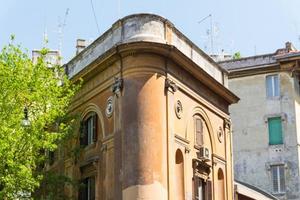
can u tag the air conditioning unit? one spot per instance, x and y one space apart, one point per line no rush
203 154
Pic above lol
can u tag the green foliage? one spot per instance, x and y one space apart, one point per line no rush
52 187
237 55
36 88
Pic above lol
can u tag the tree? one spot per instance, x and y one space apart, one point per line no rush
34 99
237 55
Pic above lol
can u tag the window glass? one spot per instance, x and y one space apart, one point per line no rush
276 85
202 189
275 131
278 178
88 130
199 189
87 189
272 86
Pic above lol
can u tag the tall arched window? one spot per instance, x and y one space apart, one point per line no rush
221 185
198 124
179 175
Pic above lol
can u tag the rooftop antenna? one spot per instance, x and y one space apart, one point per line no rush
61 27
45 33
210 32
45 36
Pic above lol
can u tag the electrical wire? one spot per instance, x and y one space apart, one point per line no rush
93 9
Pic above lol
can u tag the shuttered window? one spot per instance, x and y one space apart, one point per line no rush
272 86
275 131
278 178
88 130
199 131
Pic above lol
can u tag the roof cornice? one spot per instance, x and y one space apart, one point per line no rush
168 51
144 28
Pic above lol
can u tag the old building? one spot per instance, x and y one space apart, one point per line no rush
266 121
154 117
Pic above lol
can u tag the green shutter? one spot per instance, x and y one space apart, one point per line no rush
275 131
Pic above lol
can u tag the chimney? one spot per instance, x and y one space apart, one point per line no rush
80 45
288 46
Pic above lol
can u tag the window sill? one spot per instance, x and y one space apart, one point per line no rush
90 146
276 145
279 193
275 98
198 147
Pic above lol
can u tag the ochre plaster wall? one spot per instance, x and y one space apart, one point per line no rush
136 147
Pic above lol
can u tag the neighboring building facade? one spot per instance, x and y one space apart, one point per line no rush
154 117
266 121
52 57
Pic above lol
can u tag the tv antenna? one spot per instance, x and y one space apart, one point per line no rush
61 27
45 37
211 31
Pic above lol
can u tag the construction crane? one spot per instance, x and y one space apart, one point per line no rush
61 27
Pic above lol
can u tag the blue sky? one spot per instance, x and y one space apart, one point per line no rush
251 27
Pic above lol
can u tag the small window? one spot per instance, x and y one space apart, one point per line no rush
278 178
87 189
272 85
88 130
199 131
275 131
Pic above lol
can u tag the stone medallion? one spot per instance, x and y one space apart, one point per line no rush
109 107
178 109
220 134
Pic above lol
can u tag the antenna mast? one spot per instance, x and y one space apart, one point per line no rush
211 32
61 27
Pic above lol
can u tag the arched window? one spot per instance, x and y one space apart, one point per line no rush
198 124
88 129
221 185
179 176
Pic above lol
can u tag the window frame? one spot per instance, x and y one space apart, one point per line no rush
281 186
87 191
271 78
89 129
199 133
202 189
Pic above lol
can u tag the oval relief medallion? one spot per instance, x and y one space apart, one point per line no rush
109 107
178 109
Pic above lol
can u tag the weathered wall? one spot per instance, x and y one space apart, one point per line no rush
197 100
136 148
150 28
252 153
143 104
